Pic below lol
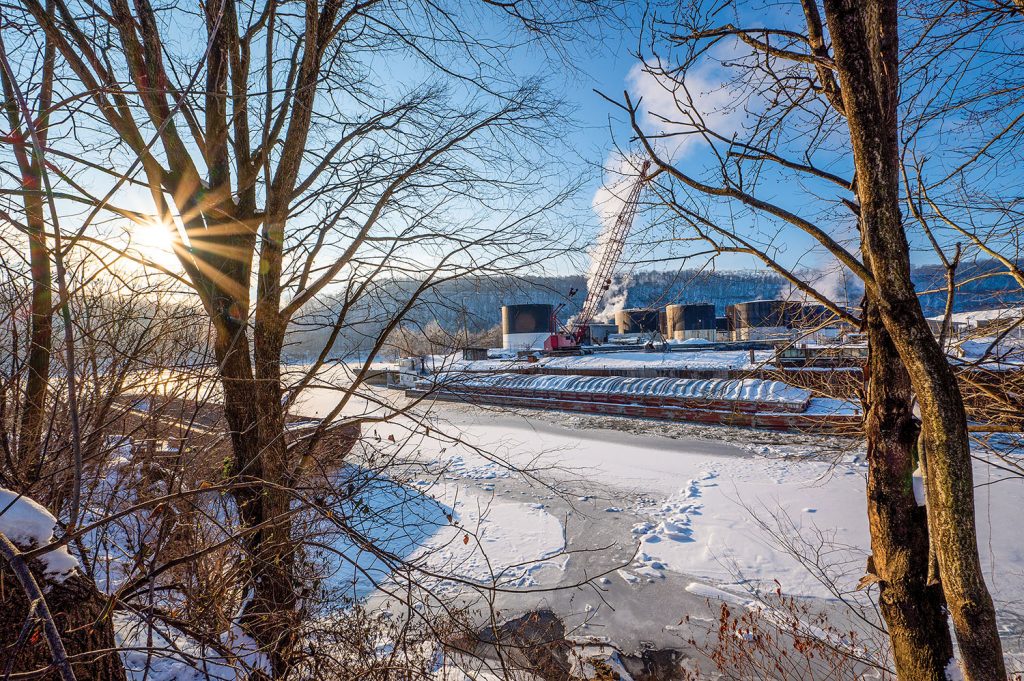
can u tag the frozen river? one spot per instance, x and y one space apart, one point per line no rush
624 527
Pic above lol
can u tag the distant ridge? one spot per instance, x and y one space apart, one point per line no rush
474 303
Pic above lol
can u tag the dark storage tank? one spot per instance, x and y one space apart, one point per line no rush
529 318
638 320
695 317
791 311
813 315
525 327
761 319
760 313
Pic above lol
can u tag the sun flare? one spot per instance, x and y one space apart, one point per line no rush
152 243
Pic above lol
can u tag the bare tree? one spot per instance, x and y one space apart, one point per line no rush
867 58
118 337
282 163
29 436
802 84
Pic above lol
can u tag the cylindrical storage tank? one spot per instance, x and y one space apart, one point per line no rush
812 316
526 327
673 319
759 319
791 311
730 321
691 321
638 320
759 313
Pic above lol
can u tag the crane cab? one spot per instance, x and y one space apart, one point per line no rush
567 342
561 342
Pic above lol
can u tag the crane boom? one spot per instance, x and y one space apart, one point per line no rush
610 257
602 279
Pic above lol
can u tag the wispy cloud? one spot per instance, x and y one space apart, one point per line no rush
673 108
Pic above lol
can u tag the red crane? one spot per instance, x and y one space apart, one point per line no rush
571 337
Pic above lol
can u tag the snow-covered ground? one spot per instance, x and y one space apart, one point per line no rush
699 508
447 532
623 527
490 540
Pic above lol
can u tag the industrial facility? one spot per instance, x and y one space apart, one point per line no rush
1006 321
754 364
527 327
757 363
680 361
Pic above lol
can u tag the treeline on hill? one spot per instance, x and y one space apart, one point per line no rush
472 305
470 308
985 285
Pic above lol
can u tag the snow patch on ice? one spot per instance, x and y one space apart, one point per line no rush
707 591
628 576
780 618
673 519
598 662
491 541
453 532
471 467
713 527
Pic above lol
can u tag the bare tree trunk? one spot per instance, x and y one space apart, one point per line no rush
254 412
914 611
865 41
33 413
33 416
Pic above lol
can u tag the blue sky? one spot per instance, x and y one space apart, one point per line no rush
605 64
605 61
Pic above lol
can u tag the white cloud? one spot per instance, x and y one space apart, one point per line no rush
704 96
666 108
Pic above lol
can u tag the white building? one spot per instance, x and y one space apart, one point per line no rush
982 323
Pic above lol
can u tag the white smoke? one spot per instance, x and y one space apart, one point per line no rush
617 294
714 101
670 110
609 200
834 282
840 286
